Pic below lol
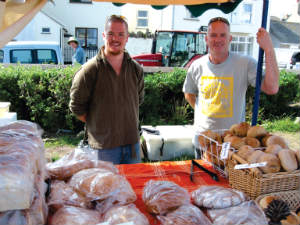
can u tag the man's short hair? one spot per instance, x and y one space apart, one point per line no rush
116 18
221 19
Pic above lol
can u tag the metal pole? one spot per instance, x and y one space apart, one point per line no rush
259 67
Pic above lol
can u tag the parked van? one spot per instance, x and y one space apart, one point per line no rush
31 52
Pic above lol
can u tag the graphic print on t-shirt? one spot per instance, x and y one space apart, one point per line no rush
215 96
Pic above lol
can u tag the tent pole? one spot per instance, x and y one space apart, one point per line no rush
259 66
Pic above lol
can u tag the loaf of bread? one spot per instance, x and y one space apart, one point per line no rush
273 149
247 213
273 163
217 197
291 219
205 136
256 132
253 142
297 152
240 129
245 151
76 216
288 160
100 184
253 158
265 201
185 215
126 213
276 140
161 197
235 141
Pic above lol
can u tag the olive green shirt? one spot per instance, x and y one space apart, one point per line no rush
110 101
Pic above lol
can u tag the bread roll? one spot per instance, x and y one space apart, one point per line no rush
245 151
288 160
273 163
273 149
253 158
256 132
240 129
227 133
264 140
204 141
253 142
236 142
265 201
291 219
297 152
274 139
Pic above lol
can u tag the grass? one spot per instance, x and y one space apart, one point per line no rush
283 125
58 140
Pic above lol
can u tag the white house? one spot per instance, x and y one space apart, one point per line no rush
245 21
85 20
42 28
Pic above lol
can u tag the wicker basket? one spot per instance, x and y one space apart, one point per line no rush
254 184
292 198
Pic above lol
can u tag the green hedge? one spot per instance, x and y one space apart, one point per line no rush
41 94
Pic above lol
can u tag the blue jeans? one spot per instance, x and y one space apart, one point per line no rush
121 154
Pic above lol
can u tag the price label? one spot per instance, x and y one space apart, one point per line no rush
225 150
247 166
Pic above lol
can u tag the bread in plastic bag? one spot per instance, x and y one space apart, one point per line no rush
248 213
70 215
126 213
217 197
160 197
185 215
99 184
77 160
62 194
26 126
13 217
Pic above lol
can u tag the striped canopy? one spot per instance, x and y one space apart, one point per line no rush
16 14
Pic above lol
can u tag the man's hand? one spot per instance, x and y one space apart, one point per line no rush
264 40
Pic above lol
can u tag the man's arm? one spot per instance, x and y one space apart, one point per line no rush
270 84
191 99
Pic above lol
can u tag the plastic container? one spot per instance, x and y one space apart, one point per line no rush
4 108
169 141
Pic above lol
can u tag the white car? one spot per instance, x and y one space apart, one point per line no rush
31 52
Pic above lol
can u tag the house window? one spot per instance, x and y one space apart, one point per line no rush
80 1
142 18
87 37
242 15
189 15
242 45
45 30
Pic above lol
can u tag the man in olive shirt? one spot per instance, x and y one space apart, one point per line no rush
106 93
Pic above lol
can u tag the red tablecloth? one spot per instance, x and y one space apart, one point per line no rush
177 172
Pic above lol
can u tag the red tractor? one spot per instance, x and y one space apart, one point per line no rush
174 49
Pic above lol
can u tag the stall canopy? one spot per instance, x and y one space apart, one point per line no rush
16 14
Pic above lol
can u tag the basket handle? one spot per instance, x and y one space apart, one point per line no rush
254 171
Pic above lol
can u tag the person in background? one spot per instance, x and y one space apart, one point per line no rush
216 84
106 93
79 55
